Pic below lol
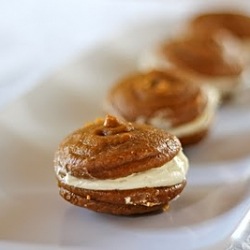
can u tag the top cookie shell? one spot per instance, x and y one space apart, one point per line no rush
109 148
157 93
211 23
201 55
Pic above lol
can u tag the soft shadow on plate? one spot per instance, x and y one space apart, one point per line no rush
192 209
222 149
181 212
228 140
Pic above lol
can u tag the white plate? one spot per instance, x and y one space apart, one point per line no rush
33 216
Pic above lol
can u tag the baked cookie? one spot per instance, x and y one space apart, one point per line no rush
210 23
231 29
201 59
117 167
165 100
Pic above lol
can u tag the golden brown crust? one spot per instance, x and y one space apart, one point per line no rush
209 24
122 202
157 93
200 55
110 148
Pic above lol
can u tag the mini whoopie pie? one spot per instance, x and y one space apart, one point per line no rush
229 28
167 100
212 24
118 167
202 59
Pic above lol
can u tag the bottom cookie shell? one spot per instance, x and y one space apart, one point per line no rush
194 138
122 202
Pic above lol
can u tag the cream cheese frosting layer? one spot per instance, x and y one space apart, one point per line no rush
171 173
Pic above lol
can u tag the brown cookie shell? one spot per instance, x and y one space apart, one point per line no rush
110 148
200 55
209 24
193 138
149 94
142 200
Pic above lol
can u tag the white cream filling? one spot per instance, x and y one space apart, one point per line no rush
171 173
197 125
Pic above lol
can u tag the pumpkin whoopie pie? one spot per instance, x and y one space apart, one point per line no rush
166 100
118 167
231 29
202 59
214 24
